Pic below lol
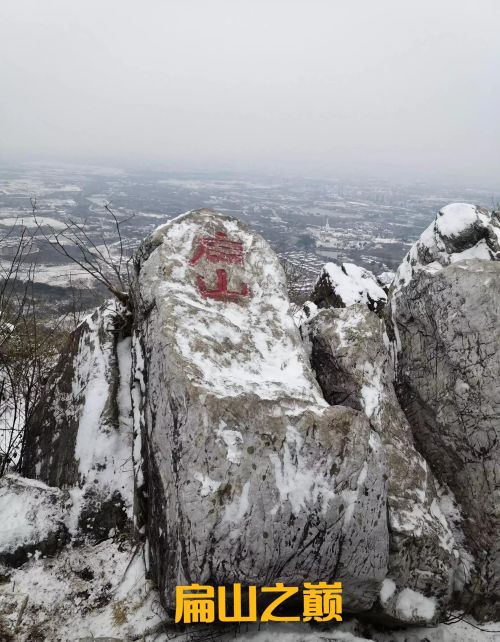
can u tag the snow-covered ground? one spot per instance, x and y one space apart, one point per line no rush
86 591
353 631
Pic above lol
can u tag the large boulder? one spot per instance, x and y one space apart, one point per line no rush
445 311
348 352
79 437
250 476
340 286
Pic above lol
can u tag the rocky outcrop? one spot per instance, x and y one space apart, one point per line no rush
444 310
385 279
79 437
249 465
251 477
348 351
33 520
345 285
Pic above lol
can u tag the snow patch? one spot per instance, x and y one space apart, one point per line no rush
208 486
372 392
296 480
387 590
455 218
238 507
353 284
233 440
411 605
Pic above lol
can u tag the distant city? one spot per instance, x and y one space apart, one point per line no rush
307 221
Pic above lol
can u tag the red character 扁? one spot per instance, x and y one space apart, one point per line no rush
219 249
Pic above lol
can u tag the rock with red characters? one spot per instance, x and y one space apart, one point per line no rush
251 477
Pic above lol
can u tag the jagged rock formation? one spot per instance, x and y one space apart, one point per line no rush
199 407
251 477
347 284
349 355
79 437
445 310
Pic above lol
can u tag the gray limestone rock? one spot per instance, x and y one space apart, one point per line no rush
80 436
349 355
250 476
448 330
445 311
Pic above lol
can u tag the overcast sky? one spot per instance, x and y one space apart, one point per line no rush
305 86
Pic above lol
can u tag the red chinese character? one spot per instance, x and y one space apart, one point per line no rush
218 249
221 293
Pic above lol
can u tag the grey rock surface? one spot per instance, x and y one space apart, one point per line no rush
251 477
33 520
445 311
348 351
80 437
448 383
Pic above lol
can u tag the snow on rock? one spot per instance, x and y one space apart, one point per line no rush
251 477
32 520
341 286
413 606
459 232
387 590
444 313
80 435
354 368
385 279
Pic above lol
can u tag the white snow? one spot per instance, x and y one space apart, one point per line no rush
479 251
57 275
238 507
430 252
103 449
450 223
387 590
28 512
371 391
233 440
208 485
31 222
104 453
138 388
353 284
67 607
411 606
299 633
296 480
119 602
460 631
455 218
386 278
231 348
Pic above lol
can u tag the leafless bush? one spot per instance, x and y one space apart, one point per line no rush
29 344
106 263
28 348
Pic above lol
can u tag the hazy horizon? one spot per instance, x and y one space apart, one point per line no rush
307 88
